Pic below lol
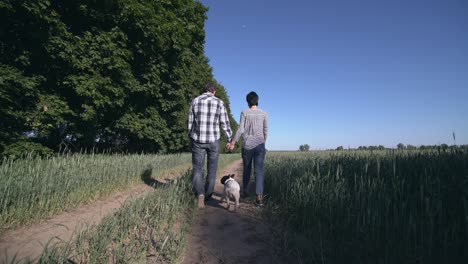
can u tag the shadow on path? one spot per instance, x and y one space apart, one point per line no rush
147 178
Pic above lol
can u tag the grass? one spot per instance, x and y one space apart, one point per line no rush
33 188
371 207
150 229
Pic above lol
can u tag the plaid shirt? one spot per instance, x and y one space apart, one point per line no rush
205 114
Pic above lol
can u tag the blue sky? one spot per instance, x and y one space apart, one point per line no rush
345 73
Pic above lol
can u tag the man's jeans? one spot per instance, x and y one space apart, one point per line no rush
198 162
257 155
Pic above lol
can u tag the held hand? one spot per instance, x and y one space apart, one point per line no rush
232 145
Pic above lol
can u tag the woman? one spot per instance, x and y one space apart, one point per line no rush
253 128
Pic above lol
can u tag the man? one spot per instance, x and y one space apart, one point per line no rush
206 113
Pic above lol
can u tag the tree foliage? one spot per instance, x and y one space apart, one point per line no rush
304 147
111 74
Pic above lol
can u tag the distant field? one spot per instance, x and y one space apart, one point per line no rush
371 207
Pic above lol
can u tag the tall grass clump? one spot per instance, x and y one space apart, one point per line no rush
34 188
371 207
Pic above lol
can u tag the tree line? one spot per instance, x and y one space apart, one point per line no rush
114 75
400 146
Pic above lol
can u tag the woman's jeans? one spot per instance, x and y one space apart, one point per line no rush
198 161
257 155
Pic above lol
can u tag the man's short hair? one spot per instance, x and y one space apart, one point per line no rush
252 99
210 87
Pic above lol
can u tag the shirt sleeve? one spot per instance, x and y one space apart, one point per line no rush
225 125
190 118
240 129
265 127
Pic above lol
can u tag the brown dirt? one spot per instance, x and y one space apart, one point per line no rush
222 236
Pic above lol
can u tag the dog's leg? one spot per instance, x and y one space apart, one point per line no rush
228 202
237 202
224 196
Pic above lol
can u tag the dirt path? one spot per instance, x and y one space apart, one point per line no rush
221 236
28 242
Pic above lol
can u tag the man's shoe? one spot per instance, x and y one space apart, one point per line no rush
259 203
201 201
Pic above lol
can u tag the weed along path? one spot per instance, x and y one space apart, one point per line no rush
28 242
221 236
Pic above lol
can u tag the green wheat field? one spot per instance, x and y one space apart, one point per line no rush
392 206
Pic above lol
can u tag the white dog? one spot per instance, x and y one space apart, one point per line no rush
231 190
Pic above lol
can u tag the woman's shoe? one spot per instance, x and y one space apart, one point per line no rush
259 200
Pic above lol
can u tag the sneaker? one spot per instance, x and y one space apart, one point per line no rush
259 203
201 201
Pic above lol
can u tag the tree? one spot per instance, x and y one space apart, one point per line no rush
444 147
18 95
304 147
401 146
221 93
410 147
116 75
340 148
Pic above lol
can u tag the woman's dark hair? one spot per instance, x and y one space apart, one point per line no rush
252 99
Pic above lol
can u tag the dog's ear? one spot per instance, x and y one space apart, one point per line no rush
232 175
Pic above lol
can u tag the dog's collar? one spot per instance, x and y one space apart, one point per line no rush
230 179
